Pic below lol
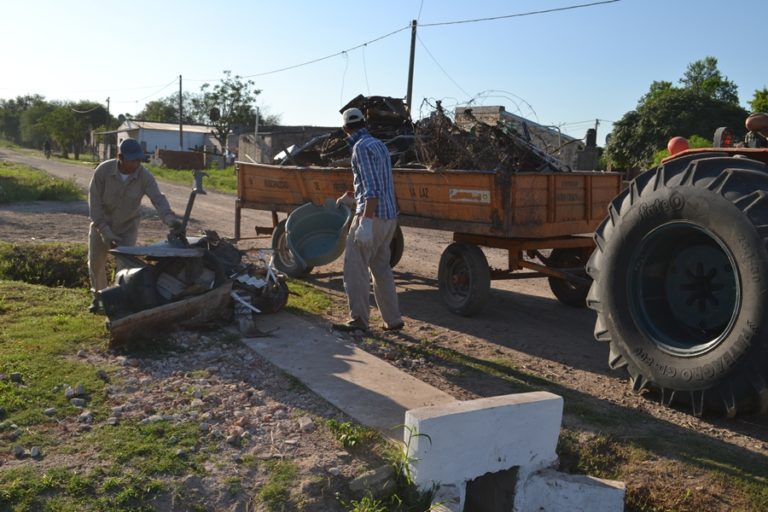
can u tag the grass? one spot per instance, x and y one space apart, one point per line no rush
49 264
351 435
219 180
276 492
306 299
23 183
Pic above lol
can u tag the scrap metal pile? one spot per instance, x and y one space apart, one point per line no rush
435 142
186 281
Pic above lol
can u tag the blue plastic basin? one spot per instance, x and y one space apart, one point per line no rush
316 235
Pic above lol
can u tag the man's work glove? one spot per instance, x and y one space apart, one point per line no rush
173 222
348 199
364 234
110 238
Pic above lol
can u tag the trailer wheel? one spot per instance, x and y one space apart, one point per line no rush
464 279
283 258
396 247
567 292
680 273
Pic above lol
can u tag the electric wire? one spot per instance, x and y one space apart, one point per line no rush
394 32
519 15
441 67
313 61
365 71
343 78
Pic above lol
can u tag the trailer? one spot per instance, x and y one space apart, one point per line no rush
545 221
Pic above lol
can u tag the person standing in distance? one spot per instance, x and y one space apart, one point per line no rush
114 204
367 250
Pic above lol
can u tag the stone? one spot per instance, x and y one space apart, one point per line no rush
77 402
378 481
51 411
35 452
306 424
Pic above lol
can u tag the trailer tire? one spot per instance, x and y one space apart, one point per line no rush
464 279
283 258
680 275
569 293
396 247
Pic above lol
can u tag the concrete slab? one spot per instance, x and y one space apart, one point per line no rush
368 389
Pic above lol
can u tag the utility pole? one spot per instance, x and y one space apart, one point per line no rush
408 96
181 119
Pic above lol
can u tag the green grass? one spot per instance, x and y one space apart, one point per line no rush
276 492
49 264
351 435
219 180
307 299
40 325
41 331
23 183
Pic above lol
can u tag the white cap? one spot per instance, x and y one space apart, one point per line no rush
352 115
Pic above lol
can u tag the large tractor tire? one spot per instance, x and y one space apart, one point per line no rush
681 283
283 257
464 279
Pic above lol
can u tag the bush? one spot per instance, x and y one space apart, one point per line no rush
48 264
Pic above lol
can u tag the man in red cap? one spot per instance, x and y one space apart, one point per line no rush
114 204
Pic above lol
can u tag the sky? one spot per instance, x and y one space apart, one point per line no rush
550 61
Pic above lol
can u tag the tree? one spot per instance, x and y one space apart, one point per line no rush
66 128
166 110
229 106
703 77
705 102
759 101
10 115
32 128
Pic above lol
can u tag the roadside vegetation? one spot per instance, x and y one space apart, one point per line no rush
22 183
219 180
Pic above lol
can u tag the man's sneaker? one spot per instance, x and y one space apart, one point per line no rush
351 326
396 327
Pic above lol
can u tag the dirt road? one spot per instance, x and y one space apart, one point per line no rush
523 325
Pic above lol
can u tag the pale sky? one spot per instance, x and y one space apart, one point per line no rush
565 68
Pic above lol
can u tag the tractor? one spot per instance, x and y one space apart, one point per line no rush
680 276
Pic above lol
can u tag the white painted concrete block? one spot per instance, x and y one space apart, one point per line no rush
469 439
551 491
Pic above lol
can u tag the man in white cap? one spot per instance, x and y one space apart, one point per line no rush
367 251
114 204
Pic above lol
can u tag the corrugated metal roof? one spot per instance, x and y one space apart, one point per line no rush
167 127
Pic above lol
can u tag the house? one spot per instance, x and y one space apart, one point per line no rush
153 136
271 140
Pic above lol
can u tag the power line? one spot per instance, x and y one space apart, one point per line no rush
530 13
441 67
320 59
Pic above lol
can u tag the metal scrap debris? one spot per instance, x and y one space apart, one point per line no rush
435 142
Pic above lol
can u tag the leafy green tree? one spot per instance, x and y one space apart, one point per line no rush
66 128
228 105
759 101
705 102
10 115
704 78
166 110
32 127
